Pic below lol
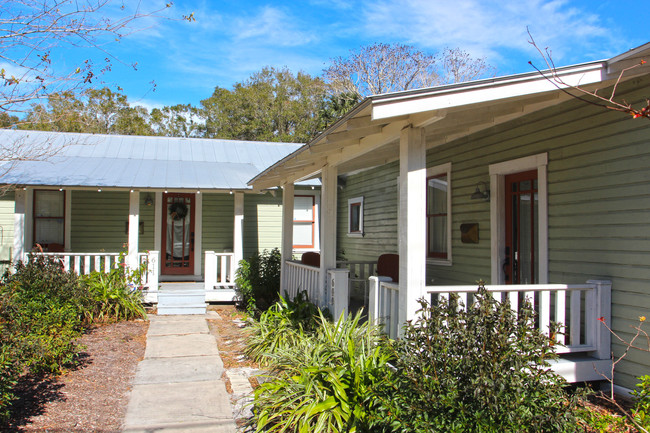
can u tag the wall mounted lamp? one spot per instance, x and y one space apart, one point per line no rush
481 195
148 200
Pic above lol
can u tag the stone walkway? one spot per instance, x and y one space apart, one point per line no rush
178 385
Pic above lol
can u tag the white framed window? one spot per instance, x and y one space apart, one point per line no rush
438 214
355 216
49 219
304 221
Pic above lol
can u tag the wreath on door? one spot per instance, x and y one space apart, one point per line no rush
178 211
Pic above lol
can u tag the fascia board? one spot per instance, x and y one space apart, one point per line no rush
481 92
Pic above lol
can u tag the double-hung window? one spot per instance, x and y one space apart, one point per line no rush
439 214
49 219
355 216
304 221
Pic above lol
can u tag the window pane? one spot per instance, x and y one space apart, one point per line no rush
437 195
303 234
48 231
355 214
303 209
438 236
48 204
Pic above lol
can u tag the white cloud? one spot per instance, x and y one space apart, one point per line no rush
271 26
489 28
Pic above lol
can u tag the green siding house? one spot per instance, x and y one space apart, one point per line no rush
510 180
182 205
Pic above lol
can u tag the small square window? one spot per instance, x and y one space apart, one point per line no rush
355 216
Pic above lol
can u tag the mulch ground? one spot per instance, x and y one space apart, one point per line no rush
231 337
93 395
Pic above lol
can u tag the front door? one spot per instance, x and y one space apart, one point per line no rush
178 234
521 264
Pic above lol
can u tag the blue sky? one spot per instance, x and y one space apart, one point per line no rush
230 40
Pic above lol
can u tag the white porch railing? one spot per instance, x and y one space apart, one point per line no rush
577 307
331 294
219 270
299 277
85 263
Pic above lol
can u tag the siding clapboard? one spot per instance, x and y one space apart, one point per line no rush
598 196
262 222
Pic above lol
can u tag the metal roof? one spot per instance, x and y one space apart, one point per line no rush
93 160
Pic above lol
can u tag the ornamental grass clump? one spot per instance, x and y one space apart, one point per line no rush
323 382
483 368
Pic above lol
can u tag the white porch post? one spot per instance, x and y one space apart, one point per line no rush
287 232
238 230
20 198
134 227
157 226
412 221
328 227
198 233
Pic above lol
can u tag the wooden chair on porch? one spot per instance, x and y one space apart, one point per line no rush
310 258
388 266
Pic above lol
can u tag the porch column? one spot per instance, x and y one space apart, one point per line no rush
157 227
67 222
412 221
287 232
328 227
20 197
238 231
134 227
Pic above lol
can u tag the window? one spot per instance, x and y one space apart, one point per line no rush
49 218
355 216
439 214
304 221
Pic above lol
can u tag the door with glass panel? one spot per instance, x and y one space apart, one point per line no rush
178 234
521 264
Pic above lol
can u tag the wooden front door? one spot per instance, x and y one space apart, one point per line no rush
178 234
521 265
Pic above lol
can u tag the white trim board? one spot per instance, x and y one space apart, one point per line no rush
498 172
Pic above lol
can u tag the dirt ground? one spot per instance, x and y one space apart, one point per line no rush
230 331
92 397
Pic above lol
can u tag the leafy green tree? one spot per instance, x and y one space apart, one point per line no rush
180 120
98 111
334 107
272 105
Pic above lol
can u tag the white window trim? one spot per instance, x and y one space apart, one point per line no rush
316 195
436 171
352 201
498 172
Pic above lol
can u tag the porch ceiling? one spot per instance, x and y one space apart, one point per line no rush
368 136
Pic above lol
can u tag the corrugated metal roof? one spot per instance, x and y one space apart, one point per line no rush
88 160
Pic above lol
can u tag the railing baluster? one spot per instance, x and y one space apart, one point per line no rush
514 302
77 260
98 266
545 312
86 265
575 318
222 270
66 263
560 315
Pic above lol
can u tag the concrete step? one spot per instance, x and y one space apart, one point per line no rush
181 300
180 310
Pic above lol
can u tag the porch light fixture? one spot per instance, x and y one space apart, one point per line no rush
481 195
231 191
99 190
148 201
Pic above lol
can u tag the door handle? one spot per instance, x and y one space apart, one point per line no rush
192 240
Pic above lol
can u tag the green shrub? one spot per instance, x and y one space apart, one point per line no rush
480 369
258 280
641 396
281 327
324 382
113 298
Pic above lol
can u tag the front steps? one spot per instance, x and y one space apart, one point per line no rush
181 298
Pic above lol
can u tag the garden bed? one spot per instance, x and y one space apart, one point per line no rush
93 395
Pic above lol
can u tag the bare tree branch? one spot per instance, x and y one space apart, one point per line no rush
587 96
